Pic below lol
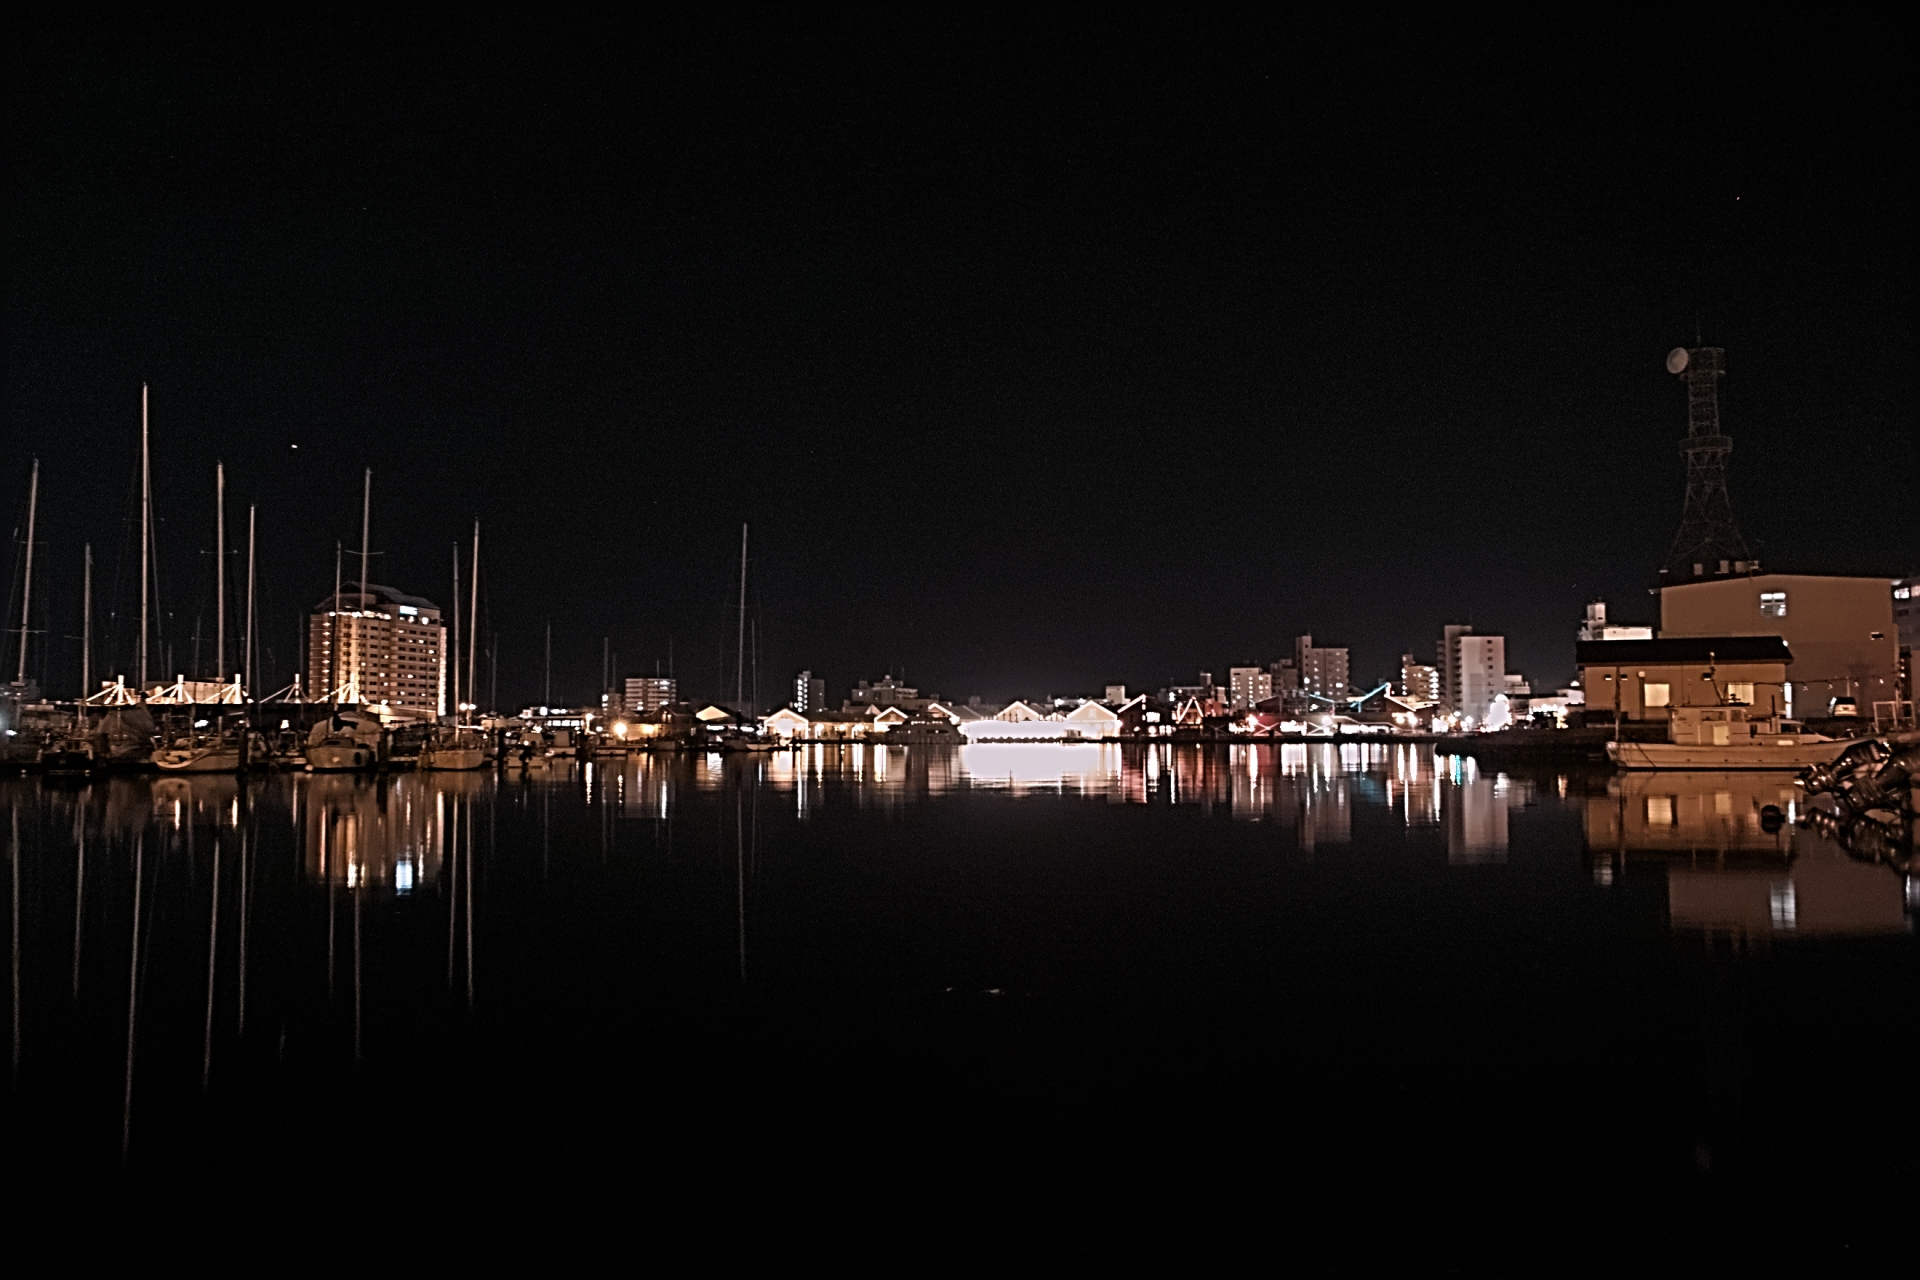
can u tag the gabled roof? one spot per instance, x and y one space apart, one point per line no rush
1092 711
1684 649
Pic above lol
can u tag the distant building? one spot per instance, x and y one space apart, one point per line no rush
1473 672
379 647
1247 687
1323 671
887 692
809 692
645 695
1840 629
1286 686
1418 682
1116 695
1596 626
1906 619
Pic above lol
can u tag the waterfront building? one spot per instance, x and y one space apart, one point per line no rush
1906 620
1418 682
1642 680
1247 687
379 647
1840 630
645 695
809 692
1473 672
1596 626
1323 670
887 692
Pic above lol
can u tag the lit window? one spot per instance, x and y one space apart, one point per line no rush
1773 604
1741 693
1655 695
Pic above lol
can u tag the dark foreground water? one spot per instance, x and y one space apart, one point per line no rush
1384 996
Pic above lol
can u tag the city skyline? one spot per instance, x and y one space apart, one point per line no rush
994 432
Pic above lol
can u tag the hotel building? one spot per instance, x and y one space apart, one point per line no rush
381 648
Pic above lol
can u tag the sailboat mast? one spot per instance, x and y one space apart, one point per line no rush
86 623
455 664
740 644
473 618
220 570
365 629
26 592
547 694
247 653
333 661
146 536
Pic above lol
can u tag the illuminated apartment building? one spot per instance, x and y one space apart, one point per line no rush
645 695
381 648
1248 687
1323 671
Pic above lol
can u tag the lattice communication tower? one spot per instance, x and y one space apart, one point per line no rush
1709 542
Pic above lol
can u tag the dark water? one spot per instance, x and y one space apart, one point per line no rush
1329 979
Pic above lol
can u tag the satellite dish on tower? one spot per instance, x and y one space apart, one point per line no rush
1677 360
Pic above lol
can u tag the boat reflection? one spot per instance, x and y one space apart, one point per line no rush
1733 869
381 834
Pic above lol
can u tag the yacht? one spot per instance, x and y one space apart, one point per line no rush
449 748
343 742
1728 737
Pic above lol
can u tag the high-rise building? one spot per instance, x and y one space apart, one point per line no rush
1247 687
1323 671
645 695
1116 695
1473 672
809 692
381 648
1449 662
1418 682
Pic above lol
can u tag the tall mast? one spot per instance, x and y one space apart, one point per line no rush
86 624
220 570
146 536
365 628
247 653
333 661
473 618
26 592
740 644
455 664
548 687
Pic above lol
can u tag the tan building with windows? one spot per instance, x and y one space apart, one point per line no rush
1840 630
1641 680
381 648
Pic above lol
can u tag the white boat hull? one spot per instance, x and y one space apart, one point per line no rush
197 760
1785 753
338 757
450 758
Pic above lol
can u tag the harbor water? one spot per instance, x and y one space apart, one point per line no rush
1255 975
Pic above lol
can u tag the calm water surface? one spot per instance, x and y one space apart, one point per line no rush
1319 972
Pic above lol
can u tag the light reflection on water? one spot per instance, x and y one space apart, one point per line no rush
305 897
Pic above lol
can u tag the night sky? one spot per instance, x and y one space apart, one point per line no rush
1038 354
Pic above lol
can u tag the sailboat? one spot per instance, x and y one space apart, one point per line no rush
343 742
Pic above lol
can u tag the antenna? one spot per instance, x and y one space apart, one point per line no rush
1709 542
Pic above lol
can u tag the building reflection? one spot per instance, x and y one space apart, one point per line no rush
1732 869
382 835
1312 791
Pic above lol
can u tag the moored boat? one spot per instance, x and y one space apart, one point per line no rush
1720 738
452 749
